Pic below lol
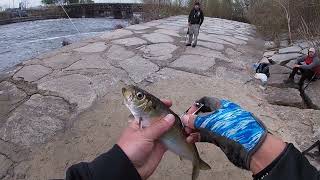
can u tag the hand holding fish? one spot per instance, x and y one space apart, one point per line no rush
142 146
237 132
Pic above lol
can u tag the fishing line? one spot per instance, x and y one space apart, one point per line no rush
70 19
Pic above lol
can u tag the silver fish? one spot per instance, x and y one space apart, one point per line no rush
147 108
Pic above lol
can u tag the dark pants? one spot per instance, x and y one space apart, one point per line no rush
305 74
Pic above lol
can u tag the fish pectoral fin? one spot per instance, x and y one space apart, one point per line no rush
203 165
180 157
131 117
195 171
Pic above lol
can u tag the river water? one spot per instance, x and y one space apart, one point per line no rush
23 41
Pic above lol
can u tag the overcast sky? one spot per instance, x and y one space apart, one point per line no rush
7 3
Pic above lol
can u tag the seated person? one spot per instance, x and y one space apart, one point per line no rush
308 65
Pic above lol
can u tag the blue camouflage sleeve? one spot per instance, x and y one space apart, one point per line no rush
234 123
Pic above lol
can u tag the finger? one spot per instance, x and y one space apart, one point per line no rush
188 120
134 124
167 102
153 161
159 128
192 109
208 136
188 130
193 138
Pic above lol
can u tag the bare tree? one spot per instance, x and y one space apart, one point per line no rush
285 5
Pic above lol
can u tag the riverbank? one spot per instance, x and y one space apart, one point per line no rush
66 106
23 41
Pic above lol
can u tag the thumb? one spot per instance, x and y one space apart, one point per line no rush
159 128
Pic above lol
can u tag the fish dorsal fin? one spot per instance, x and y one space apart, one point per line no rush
131 117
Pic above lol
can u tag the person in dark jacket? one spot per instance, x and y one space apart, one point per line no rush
239 134
308 65
195 20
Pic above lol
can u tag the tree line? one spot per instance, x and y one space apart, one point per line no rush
66 1
296 19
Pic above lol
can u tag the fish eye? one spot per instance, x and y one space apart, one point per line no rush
140 95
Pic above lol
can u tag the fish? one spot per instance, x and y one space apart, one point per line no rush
147 108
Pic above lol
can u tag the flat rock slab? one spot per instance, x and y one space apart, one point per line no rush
242 37
304 45
291 63
36 120
194 62
313 93
90 61
305 51
130 41
232 53
207 53
303 124
119 33
138 27
117 52
283 59
278 69
161 51
167 32
264 60
269 54
32 73
211 45
284 97
213 39
138 68
10 96
292 49
169 27
61 61
4 165
158 38
277 80
93 48
74 88
232 40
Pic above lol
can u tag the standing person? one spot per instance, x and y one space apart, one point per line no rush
308 65
195 21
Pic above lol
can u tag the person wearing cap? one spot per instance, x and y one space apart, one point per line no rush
195 20
308 65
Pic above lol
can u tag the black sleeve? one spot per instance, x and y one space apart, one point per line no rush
291 164
190 16
111 165
201 18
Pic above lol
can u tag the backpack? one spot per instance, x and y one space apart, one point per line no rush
263 68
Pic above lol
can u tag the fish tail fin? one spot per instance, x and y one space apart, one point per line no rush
195 171
203 165
196 168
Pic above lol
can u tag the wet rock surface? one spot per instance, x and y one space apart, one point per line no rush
74 111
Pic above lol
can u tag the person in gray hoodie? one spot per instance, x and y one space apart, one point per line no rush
308 65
